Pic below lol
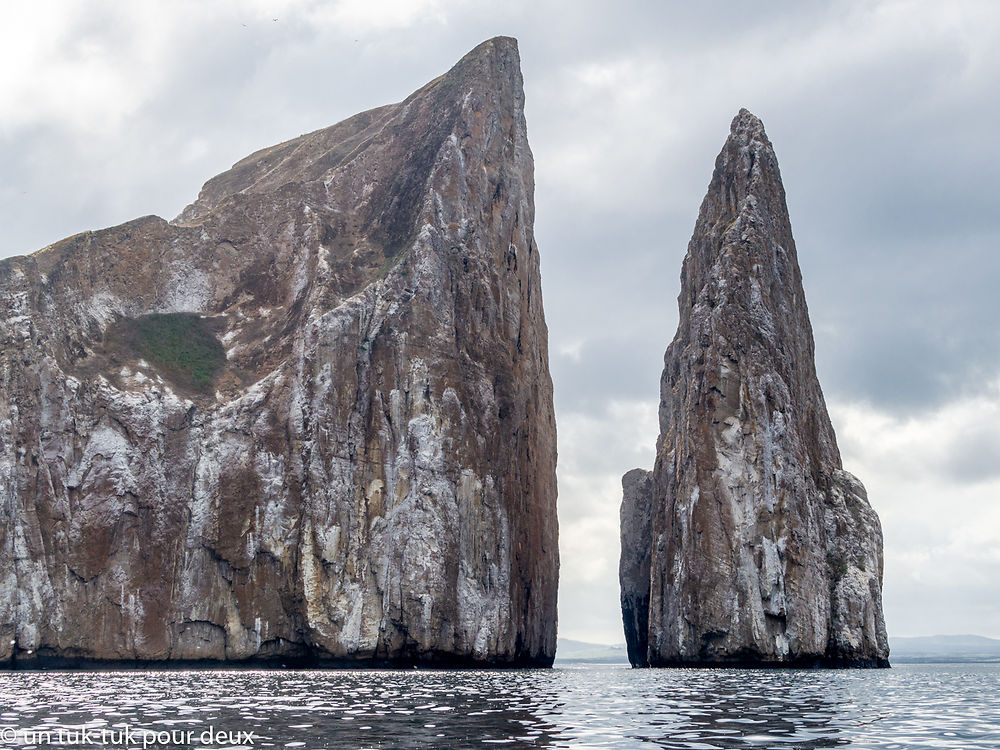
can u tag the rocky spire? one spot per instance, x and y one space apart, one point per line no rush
308 421
759 547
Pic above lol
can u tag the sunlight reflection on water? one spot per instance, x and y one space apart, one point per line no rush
927 706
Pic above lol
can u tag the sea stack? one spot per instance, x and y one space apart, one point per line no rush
748 544
309 421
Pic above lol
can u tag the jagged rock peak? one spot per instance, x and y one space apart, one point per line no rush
309 421
760 548
492 68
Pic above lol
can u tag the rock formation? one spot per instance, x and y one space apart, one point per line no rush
308 421
748 543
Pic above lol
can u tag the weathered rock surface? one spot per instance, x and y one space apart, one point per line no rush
355 463
749 541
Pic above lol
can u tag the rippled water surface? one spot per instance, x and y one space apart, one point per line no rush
932 706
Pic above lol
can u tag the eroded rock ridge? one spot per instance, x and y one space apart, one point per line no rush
748 543
308 421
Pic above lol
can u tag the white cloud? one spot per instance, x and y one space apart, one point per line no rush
937 493
90 66
594 451
368 16
83 65
939 446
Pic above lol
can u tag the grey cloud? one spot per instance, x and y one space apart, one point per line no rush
908 326
607 369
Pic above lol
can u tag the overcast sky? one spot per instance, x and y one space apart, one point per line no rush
885 117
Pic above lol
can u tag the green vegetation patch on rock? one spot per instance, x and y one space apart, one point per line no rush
181 346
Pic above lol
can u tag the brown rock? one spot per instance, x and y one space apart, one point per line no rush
346 454
761 548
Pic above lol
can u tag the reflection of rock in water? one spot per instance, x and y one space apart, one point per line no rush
729 709
748 543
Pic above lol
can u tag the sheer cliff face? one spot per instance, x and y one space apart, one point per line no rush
749 541
348 453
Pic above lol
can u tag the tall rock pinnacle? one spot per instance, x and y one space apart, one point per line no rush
310 420
748 543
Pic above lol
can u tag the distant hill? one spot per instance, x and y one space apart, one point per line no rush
943 648
568 651
903 650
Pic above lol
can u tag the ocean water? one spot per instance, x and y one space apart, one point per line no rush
570 706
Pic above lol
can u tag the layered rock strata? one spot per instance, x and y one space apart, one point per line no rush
748 543
308 421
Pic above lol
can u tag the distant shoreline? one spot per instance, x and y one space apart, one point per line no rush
934 649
